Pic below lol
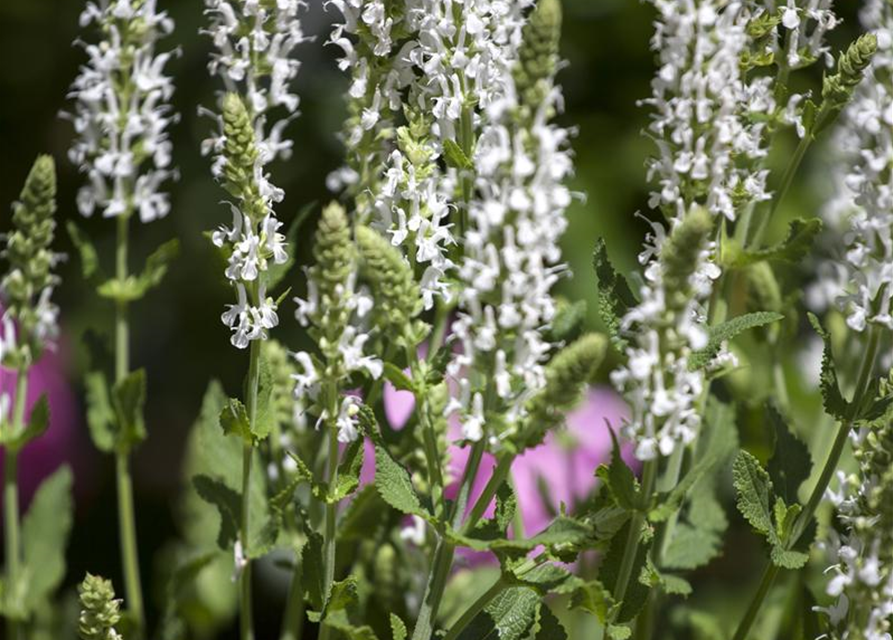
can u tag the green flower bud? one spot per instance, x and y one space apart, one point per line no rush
392 280
27 247
538 56
763 291
680 251
333 250
850 69
281 368
240 151
572 368
99 609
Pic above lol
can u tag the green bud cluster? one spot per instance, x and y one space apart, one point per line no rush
99 609
28 251
281 368
567 374
838 88
241 153
679 253
538 55
333 251
393 284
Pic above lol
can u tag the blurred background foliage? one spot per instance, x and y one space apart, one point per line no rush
178 337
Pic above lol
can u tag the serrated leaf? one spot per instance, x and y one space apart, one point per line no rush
788 558
506 506
593 597
796 246
621 479
86 250
234 420
675 585
340 623
455 157
618 632
726 331
834 402
550 627
791 463
754 492
394 484
509 616
342 595
398 627
100 416
128 401
614 294
546 578
228 504
265 415
348 472
45 531
312 563
691 547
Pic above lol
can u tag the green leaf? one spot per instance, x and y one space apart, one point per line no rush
234 420
509 616
157 265
265 414
636 593
45 530
675 585
546 578
619 479
348 472
835 404
37 424
614 294
506 506
455 157
312 563
754 492
397 377
788 558
128 400
728 330
394 484
549 626
398 628
796 246
593 597
342 595
340 623
790 464
85 249
100 416
228 504
618 632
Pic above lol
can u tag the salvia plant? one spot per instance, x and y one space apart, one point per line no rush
388 454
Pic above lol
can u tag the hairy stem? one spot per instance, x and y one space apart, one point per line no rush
293 621
126 517
330 530
440 571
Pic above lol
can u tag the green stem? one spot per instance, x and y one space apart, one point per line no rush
476 607
440 571
126 517
500 473
634 535
329 531
293 622
815 498
11 497
765 584
471 470
246 618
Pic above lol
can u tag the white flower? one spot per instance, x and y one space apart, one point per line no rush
110 130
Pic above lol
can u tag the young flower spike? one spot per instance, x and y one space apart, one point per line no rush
99 609
30 320
122 111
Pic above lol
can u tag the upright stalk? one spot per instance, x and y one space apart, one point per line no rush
246 619
293 622
126 518
815 498
11 499
331 510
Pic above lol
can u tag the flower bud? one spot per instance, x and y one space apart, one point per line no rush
680 253
838 89
241 153
392 280
99 609
333 250
538 55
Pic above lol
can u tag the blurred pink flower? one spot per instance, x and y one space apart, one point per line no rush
561 470
39 458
